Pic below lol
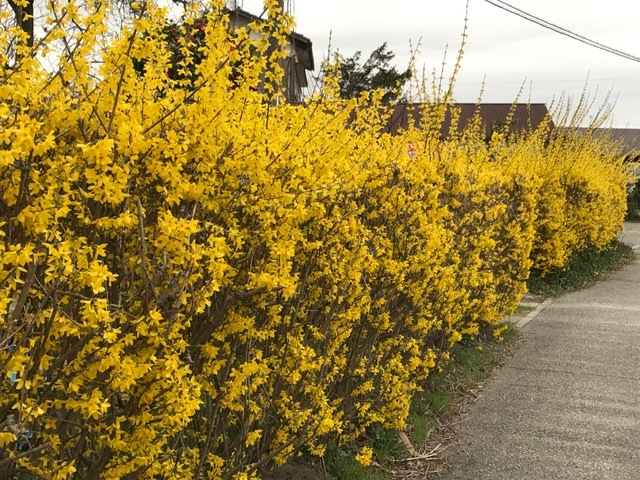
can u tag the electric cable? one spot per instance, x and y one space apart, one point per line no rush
558 29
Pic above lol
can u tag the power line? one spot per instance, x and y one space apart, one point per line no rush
559 80
558 29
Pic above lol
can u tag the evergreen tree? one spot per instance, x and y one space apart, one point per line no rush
373 74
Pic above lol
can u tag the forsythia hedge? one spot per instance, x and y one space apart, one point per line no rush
197 283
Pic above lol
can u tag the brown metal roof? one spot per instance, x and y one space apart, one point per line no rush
629 138
493 115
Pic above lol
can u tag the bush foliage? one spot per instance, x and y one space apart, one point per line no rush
199 283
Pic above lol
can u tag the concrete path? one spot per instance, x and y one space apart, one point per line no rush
567 404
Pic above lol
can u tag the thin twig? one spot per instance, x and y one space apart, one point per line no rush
9 460
143 251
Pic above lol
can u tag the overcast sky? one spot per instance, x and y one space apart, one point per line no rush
501 46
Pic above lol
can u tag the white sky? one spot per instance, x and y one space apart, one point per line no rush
507 49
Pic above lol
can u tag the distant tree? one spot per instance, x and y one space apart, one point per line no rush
375 73
23 14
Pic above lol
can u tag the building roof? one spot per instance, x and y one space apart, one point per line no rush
629 138
492 115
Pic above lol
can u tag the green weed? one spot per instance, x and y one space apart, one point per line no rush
343 465
523 310
582 270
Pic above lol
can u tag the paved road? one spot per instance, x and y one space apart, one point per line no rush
567 404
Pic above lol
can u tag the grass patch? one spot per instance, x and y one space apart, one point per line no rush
523 310
386 444
473 360
582 270
342 464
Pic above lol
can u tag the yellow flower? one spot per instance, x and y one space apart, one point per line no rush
365 456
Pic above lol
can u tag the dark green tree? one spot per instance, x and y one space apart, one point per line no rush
375 73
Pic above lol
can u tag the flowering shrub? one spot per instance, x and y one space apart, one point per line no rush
577 173
195 283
